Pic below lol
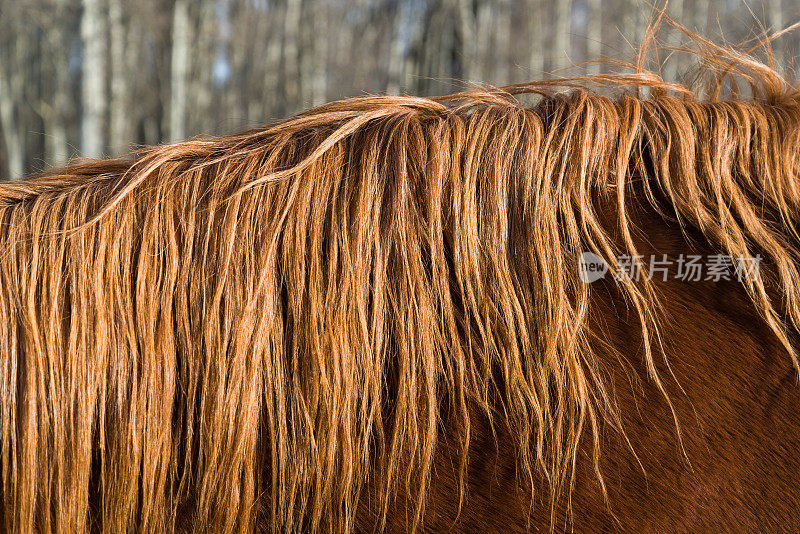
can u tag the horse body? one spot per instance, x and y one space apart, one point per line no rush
727 469
372 316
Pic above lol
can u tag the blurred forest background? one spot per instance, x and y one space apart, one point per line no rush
99 77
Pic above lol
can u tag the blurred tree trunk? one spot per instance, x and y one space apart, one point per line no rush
291 53
181 39
201 83
468 50
396 66
313 62
94 77
537 12
699 16
56 112
632 25
406 35
272 70
435 48
120 120
484 16
14 142
473 36
501 44
561 51
594 35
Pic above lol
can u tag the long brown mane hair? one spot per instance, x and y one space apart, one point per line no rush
276 329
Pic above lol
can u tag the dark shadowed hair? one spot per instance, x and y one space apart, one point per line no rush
240 333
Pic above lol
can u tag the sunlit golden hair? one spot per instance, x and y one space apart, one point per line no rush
237 333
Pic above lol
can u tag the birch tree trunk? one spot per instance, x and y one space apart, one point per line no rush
501 45
94 77
201 84
291 53
55 117
483 39
406 35
312 57
594 35
181 39
119 120
272 71
322 24
536 12
466 40
632 26
561 40
395 68
15 148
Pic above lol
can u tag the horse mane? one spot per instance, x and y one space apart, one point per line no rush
240 332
